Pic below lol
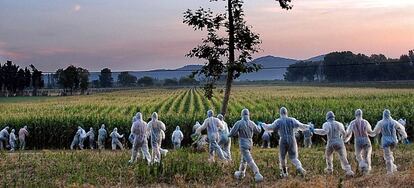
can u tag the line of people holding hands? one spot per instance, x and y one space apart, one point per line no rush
286 127
219 137
219 140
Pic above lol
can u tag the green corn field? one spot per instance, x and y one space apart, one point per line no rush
52 121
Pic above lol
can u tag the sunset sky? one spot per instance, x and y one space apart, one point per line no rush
149 34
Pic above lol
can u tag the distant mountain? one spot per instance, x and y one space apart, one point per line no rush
273 69
317 58
272 61
190 67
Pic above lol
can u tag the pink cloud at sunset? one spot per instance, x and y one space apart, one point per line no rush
142 35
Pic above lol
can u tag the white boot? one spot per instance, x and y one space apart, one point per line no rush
242 171
258 177
350 173
239 175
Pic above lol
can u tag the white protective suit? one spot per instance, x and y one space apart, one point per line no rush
91 135
244 129
82 137
102 134
266 139
12 140
285 126
335 132
23 133
388 128
199 142
163 151
224 140
140 130
403 122
157 128
196 126
361 129
307 137
115 139
177 137
4 138
213 125
76 138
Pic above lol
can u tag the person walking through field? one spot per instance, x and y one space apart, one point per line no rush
4 137
177 137
335 132
115 139
213 125
266 139
140 130
156 128
23 133
102 134
75 141
361 129
388 129
91 135
307 137
285 126
12 141
245 129
225 140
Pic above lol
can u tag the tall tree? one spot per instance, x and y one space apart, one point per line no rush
105 79
411 55
126 79
146 81
27 77
68 78
10 77
20 82
37 80
220 51
83 80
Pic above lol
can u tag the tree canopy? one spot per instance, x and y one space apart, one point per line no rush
14 80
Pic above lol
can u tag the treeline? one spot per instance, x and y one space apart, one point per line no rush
17 81
125 79
348 67
73 79
14 80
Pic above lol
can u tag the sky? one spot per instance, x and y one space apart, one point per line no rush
149 34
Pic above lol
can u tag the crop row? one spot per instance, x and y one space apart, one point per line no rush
52 121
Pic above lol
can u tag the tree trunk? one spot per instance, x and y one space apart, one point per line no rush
34 92
230 65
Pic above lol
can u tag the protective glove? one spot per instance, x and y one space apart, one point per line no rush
312 129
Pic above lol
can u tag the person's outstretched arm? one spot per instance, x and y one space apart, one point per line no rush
204 126
349 132
377 129
323 131
235 130
301 126
269 127
370 132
